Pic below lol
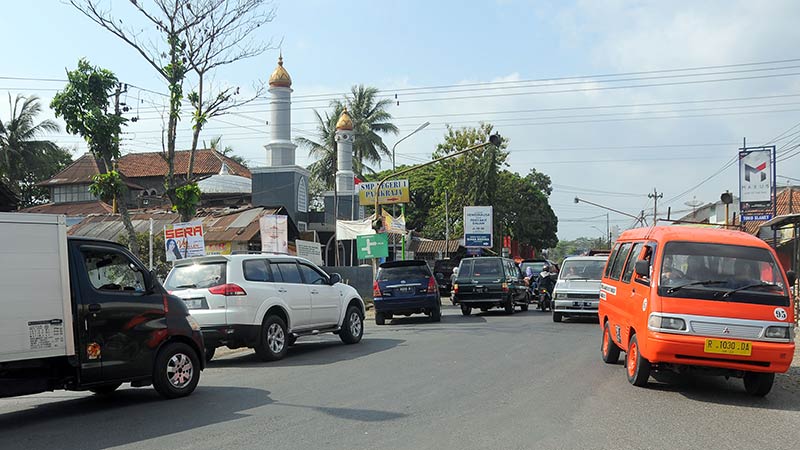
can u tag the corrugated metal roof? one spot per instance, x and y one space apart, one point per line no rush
435 246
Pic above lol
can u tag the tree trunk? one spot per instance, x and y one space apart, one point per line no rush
133 242
198 125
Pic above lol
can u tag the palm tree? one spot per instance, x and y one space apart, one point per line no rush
370 119
20 145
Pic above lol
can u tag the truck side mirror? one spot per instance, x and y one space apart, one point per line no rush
792 276
335 278
642 268
151 280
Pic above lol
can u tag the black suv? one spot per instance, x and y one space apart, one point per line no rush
443 270
489 282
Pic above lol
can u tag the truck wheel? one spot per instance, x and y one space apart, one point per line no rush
210 353
608 348
509 306
465 310
436 314
106 389
637 368
353 326
380 319
557 317
272 340
176 371
758 383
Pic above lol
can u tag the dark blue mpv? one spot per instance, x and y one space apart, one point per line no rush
405 288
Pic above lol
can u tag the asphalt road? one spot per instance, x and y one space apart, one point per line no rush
488 381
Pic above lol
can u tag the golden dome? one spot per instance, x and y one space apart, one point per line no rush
280 77
345 122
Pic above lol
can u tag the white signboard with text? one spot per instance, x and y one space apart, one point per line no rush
184 240
274 234
478 226
755 179
311 251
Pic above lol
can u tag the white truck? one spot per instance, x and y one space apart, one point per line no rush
85 314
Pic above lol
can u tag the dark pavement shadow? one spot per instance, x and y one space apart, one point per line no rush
128 416
581 319
305 353
360 415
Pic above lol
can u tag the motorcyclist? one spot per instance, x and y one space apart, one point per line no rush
547 281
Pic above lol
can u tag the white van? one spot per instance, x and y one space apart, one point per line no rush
577 291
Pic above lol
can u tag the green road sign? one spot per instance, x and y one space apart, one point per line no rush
372 246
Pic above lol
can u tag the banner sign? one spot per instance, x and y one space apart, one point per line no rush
184 240
311 251
755 179
218 248
372 246
392 191
274 234
478 226
755 217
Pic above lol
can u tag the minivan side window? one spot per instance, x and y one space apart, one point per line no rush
256 270
619 262
611 260
289 272
637 250
311 275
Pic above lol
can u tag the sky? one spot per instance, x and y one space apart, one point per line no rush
612 99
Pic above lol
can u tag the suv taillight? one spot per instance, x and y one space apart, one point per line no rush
228 290
432 286
505 287
455 288
376 290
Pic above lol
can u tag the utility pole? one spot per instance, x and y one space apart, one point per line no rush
446 226
655 196
608 231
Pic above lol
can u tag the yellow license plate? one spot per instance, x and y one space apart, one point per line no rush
726 347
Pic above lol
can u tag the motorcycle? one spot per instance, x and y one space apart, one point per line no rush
545 290
545 300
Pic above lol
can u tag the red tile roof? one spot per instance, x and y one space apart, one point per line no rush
80 171
206 162
70 209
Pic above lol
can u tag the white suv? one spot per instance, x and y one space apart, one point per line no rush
265 301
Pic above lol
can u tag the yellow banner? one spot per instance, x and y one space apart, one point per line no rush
392 191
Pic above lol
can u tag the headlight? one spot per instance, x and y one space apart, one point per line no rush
666 323
193 323
561 296
777 333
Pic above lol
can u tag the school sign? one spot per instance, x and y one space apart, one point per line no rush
392 191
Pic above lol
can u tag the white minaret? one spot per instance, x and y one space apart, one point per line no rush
344 153
280 150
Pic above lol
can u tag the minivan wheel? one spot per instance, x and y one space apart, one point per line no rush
353 326
210 353
637 367
106 389
272 342
608 348
557 317
176 371
509 306
465 310
436 314
758 383
380 319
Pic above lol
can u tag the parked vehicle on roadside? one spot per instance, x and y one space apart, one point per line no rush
84 314
443 270
697 299
406 288
265 301
577 290
490 282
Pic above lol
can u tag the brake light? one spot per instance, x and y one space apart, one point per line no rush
505 287
376 290
432 286
228 290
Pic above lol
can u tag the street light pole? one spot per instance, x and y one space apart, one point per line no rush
638 218
394 168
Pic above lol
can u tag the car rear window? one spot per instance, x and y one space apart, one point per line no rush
481 268
536 267
196 276
402 273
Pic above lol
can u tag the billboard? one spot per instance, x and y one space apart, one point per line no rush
274 234
392 191
755 179
184 240
478 226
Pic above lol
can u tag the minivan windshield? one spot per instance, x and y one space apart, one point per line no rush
582 269
481 269
196 276
722 272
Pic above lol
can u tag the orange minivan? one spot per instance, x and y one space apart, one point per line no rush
683 298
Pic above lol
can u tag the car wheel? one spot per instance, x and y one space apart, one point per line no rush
436 314
758 383
465 310
176 371
352 326
557 317
209 354
524 307
608 348
509 306
272 340
637 368
380 319
106 389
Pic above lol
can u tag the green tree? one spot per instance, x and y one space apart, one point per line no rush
215 145
25 157
84 106
323 148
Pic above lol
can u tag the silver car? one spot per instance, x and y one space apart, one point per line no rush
577 291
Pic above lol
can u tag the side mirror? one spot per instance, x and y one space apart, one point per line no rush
792 276
335 278
642 268
150 280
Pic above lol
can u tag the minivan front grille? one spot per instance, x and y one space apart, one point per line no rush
583 296
725 330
